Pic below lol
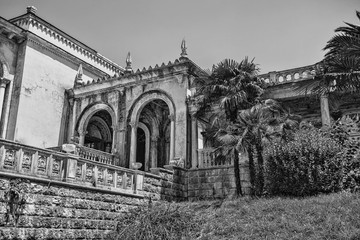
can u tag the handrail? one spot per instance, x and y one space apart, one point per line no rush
95 155
288 75
206 158
44 163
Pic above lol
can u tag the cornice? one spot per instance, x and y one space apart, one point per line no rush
63 54
11 31
29 21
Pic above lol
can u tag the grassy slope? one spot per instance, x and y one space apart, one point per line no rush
335 216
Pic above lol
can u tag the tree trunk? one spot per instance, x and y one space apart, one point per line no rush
260 160
251 169
237 174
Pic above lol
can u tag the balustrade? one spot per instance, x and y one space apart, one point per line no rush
289 75
206 158
92 170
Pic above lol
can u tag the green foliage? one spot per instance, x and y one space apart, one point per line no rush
330 216
308 165
15 199
161 221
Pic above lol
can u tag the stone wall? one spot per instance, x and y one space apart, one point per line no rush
53 211
166 184
216 182
178 184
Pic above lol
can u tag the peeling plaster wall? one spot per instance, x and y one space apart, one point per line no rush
45 78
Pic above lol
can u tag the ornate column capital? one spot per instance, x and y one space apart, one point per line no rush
82 132
3 82
133 124
172 117
154 138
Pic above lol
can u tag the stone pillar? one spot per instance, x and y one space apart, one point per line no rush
72 120
325 112
82 134
194 143
133 143
3 83
172 137
153 150
71 123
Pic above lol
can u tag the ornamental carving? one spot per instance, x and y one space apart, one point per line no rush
100 177
41 164
110 176
26 162
56 166
129 180
89 172
172 117
119 183
9 161
78 173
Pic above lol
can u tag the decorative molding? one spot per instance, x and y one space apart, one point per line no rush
172 117
65 55
133 124
66 40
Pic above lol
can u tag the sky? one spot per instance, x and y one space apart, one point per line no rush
279 34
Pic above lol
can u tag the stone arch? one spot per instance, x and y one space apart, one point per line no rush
147 97
88 113
134 114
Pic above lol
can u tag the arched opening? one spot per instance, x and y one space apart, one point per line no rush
98 132
141 148
154 114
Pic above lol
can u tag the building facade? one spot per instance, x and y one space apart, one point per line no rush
54 90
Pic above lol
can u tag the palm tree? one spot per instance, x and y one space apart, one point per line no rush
346 43
259 125
340 69
231 86
225 137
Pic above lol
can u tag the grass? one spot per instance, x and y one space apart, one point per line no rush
334 216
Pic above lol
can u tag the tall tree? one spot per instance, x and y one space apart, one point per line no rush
340 69
232 86
261 124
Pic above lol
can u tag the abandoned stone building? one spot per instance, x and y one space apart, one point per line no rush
56 90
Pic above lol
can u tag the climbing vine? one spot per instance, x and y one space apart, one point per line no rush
15 200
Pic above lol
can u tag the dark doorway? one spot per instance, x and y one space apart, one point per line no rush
140 148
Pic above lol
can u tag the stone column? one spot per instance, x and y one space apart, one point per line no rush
194 142
172 136
72 123
325 112
154 145
3 83
133 143
82 134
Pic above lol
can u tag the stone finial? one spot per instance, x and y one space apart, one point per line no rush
183 49
31 9
78 79
128 68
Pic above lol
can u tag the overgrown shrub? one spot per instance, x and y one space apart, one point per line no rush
161 221
308 165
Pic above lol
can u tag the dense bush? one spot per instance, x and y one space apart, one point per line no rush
307 165
161 221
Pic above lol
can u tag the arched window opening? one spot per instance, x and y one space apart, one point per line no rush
99 132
